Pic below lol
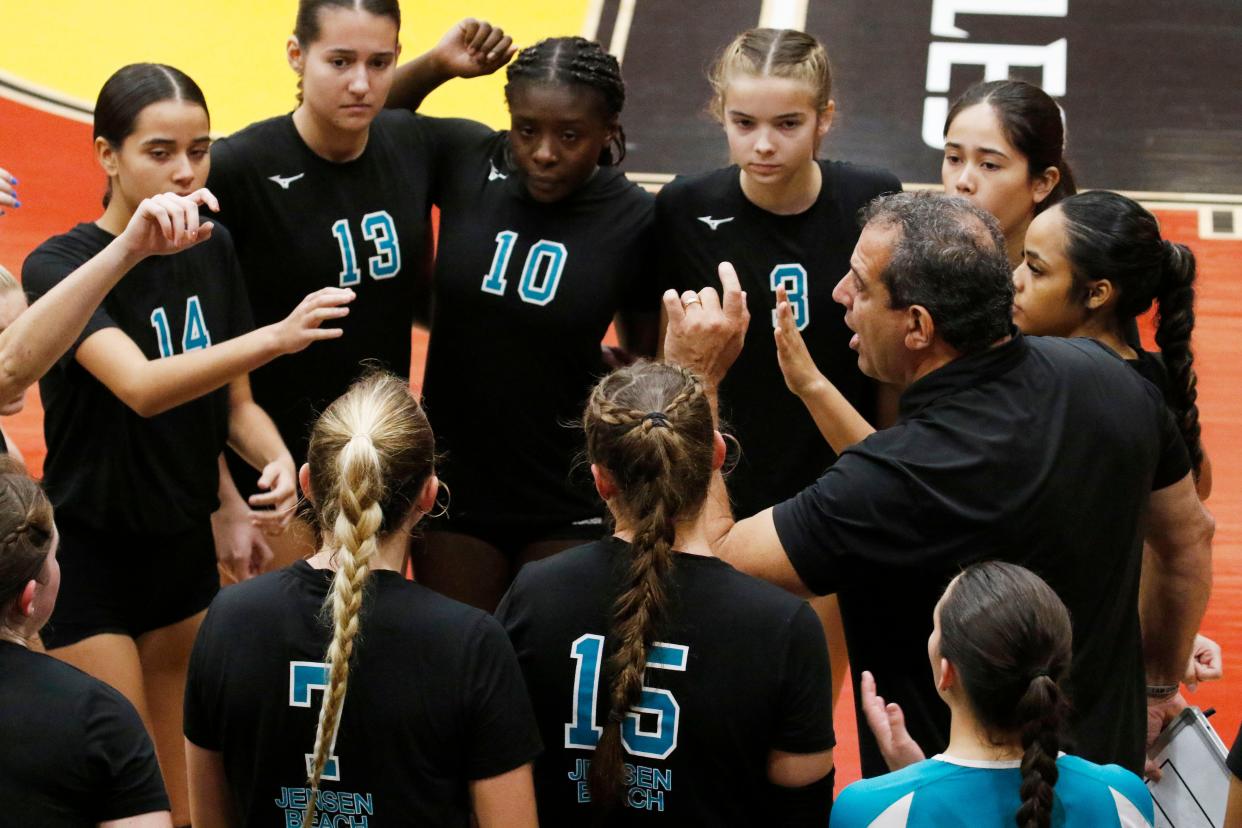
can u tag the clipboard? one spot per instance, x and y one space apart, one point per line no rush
1194 789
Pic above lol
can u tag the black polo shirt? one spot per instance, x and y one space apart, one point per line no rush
1040 451
1235 756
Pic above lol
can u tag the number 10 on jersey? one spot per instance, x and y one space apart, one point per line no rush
582 732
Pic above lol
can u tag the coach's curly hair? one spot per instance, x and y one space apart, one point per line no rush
1009 637
25 533
650 426
370 454
1113 237
575 60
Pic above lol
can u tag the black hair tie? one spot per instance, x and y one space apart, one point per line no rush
655 418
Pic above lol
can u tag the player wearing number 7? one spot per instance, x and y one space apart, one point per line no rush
784 219
139 409
337 194
669 688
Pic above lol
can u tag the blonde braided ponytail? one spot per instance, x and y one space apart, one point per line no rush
370 454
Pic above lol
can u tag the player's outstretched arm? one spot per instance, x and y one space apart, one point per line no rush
505 801
153 386
161 225
470 49
839 422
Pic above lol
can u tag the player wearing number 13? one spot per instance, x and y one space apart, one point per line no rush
668 687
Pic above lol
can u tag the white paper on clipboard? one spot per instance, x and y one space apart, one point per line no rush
1195 787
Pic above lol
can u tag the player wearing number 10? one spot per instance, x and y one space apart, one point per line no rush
668 687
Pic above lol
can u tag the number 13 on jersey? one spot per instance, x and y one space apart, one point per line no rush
582 732
377 227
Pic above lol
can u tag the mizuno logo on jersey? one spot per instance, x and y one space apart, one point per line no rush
494 173
285 182
714 223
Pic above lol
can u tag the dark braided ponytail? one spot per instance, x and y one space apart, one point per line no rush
1112 237
650 426
1009 636
575 60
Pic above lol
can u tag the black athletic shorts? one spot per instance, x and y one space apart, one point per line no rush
512 537
120 582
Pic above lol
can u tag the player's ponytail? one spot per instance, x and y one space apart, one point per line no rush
25 533
370 454
649 426
1113 237
575 60
129 91
1009 637
779 53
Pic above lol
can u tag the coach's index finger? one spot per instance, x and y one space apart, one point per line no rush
734 299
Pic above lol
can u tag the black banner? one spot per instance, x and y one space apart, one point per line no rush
1151 89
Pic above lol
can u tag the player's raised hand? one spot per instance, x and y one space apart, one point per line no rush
1206 663
888 724
274 505
799 369
705 332
168 223
303 326
8 191
473 48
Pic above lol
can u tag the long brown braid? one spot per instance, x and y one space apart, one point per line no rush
650 426
370 454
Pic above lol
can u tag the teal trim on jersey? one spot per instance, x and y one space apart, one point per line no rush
948 792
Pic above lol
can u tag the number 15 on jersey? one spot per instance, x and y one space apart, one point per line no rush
582 732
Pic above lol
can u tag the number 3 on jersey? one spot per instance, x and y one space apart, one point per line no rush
377 227
582 732
305 677
793 278
548 256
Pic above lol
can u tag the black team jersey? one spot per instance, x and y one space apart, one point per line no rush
524 292
738 669
706 219
106 465
435 699
73 751
302 223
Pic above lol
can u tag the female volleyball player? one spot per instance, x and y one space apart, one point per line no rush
667 685
1004 149
12 303
543 242
72 750
138 410
422 715
1000 655
785 219
337 193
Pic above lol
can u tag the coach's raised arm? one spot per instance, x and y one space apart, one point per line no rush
1040 451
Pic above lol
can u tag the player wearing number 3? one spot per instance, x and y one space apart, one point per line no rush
140 407
669 688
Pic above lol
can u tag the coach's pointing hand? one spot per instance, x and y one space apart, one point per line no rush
704 334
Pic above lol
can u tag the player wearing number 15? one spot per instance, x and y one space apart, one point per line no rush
668 686
140 407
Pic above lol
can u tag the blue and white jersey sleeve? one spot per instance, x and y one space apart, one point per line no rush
953 792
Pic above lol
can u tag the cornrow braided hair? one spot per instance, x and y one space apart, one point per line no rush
650 425
575 60
370 454
777 53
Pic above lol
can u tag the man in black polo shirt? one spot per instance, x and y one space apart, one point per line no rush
1039 451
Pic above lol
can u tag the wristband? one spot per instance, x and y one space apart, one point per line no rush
1161 692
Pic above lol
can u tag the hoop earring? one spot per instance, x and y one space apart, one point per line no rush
728 467
448 498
